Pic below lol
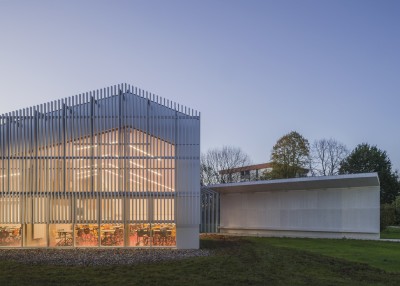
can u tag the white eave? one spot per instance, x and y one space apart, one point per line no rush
308 183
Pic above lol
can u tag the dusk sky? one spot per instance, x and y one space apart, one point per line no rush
256 70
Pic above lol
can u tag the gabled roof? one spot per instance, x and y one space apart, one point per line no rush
86 98
75 113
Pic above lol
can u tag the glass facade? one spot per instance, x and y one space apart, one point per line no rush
10 235
152 235
97 169
60 235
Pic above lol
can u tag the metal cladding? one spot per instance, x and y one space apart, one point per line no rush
113 155
209 210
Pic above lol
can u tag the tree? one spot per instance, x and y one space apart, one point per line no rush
365 159
326 155
289 157
396 207
227 158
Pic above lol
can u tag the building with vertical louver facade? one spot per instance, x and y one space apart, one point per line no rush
112 167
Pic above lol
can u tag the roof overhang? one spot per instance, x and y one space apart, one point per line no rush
309 183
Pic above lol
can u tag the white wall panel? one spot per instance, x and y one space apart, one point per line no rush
348 211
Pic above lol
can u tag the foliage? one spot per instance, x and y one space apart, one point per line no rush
391 232
236 261
289 157
326 155
364 159
388 216
224 159
396 205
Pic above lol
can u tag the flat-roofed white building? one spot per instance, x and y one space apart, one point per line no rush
325 207
112 167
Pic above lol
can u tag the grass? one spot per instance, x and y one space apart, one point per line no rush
391 232
237 261
382 255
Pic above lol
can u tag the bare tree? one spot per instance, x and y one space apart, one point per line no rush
225 159
326 155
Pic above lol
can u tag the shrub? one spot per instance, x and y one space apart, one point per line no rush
396 205
388 215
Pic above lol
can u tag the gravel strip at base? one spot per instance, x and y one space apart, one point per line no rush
98 257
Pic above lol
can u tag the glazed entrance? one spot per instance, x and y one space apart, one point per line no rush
88 235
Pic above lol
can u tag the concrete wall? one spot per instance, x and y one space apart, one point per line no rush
327 213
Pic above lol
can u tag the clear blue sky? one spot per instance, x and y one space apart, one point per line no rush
255 69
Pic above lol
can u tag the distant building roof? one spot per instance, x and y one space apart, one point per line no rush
246 168
251 168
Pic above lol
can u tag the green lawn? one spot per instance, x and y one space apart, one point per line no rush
391 233
382 255
237 261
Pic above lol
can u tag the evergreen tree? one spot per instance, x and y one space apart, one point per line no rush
366 159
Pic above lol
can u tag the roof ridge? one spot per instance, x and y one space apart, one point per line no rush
102 93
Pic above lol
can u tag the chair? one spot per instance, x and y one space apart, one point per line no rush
143 236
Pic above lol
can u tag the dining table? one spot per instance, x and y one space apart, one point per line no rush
65 238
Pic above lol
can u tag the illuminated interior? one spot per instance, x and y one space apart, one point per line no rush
112 189
142 163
